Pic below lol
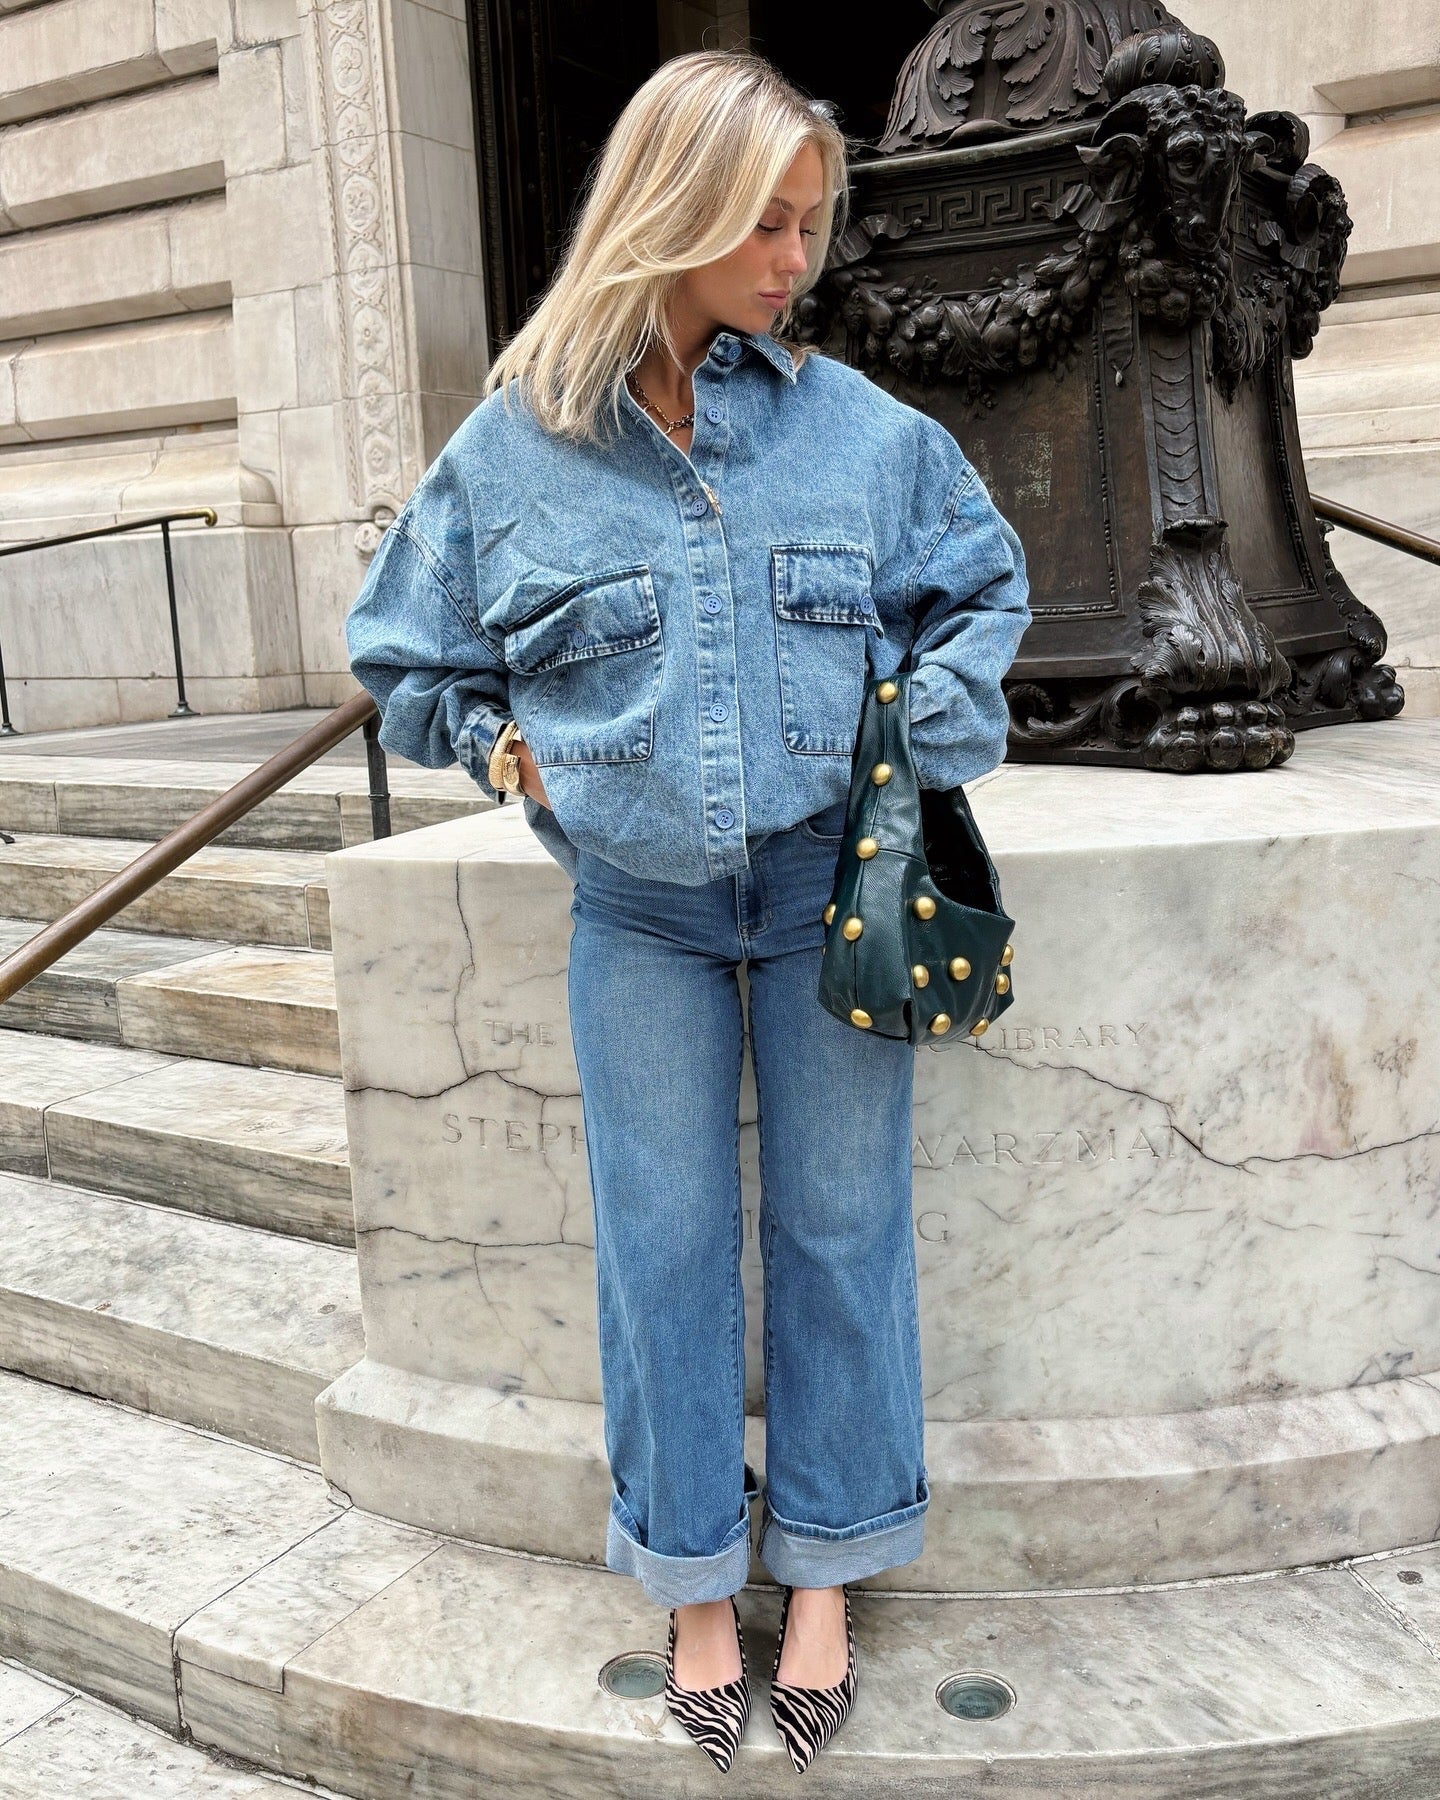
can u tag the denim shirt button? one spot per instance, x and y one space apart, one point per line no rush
698 508
867 605
718 712
715 414
577 637
724 817
711 603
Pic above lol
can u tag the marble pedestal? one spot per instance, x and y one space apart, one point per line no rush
1175 1214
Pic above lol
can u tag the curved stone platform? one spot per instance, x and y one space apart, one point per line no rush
1292 1687
1177 1273
224 1594
1016 1506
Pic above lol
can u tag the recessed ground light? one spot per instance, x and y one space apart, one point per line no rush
974 1694
637 1675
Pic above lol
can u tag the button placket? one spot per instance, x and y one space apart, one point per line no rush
717 661
717 669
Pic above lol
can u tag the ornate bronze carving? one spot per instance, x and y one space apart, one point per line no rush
988 68
1196 250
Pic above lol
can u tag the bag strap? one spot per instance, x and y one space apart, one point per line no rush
887 725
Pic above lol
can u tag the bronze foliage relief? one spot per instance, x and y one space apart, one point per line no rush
1214 246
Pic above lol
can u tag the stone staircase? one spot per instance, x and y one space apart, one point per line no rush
176 1238
177 1285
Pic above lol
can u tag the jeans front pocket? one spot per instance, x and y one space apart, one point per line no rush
585 669
828 825
823 607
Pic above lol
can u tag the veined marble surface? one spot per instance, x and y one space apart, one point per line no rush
466 1671
56 1744
1191 1170
190 1579
230 1329
270 1007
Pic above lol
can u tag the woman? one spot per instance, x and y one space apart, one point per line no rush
648 573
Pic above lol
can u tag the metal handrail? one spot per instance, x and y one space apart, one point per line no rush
183 709
1398 537
49 945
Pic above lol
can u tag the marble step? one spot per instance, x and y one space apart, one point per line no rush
325 807
158 1567
79 995
38 1072
213 1324
57 1744
269 1008
265 1006
258 1147
115 1527
237 895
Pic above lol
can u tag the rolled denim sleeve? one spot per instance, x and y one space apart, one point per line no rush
415 642
967 594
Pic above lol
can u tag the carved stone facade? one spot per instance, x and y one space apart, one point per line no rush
354 150
241 266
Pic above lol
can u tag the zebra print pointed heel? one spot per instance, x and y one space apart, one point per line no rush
807 1718
714 1716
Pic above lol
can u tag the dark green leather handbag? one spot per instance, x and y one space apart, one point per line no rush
917 944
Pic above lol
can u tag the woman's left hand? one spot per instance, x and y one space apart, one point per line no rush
530 782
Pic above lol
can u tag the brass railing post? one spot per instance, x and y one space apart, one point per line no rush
182 705
379 778
6 728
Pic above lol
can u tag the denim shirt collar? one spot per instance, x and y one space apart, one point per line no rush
723 347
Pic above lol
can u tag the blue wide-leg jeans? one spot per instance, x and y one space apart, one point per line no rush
656 1018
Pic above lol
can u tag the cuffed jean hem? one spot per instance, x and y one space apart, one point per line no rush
680 1580
799 1555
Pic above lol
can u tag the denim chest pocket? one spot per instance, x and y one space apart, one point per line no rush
585 666
823 605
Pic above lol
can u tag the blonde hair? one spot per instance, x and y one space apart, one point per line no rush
685 175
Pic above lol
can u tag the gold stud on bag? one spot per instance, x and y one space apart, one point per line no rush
917 944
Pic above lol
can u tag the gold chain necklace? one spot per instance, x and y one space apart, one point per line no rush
650 406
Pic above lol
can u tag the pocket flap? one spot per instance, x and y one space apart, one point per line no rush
590 615
828 584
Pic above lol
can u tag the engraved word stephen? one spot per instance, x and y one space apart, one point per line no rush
512 1134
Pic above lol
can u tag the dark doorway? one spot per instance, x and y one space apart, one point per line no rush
848 54
551 77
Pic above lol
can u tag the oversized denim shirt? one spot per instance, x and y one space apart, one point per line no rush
684 639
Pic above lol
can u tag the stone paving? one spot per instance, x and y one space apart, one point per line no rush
213 737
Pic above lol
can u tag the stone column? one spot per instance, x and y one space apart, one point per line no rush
373 317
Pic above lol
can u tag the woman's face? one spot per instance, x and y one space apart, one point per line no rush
747 288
